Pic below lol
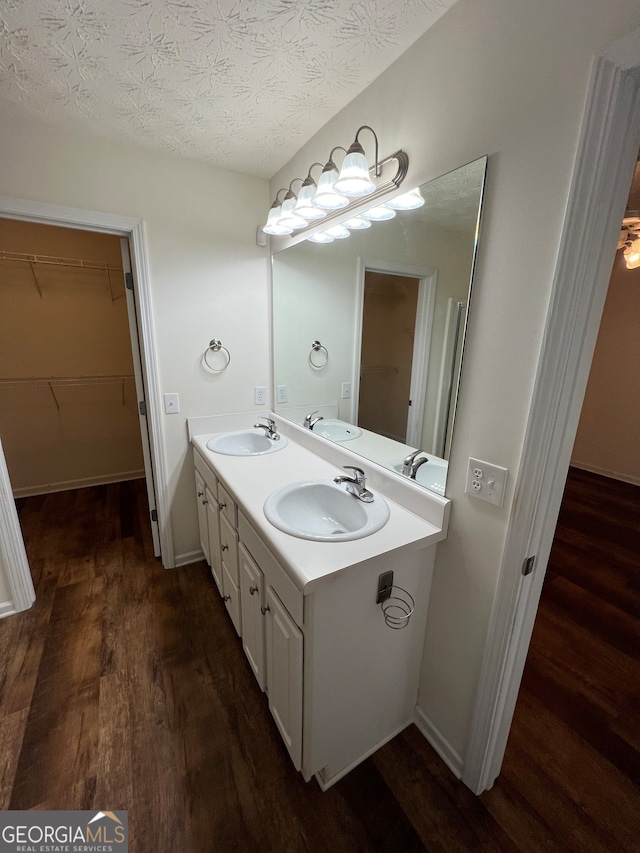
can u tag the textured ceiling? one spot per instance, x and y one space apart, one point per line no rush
242 84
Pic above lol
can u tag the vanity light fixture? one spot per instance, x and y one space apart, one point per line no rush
288 215
304 206
354 180
337 232
337 192
379 213
407 201
357 223
320 237
273 225
326 197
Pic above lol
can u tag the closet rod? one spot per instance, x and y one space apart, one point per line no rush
63 262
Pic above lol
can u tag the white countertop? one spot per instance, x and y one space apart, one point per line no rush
251 479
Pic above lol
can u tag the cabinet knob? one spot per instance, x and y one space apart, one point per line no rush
222 506
226 598
225 548
205 502
200 494
252 590
264 609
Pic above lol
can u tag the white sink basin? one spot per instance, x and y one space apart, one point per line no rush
246 442
337 430
324 511
432 474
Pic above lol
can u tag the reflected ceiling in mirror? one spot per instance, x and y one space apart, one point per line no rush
388 308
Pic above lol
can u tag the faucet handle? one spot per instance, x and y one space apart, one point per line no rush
359 475
409 459
269 422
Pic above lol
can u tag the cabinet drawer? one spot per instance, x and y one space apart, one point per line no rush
227 505
286 589
231 597
229 547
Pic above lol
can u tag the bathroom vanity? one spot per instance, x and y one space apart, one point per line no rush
340 681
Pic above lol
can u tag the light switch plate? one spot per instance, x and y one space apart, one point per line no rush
486 481
171 404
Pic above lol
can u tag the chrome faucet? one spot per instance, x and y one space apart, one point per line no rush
310 421
411 463
269 428
355 485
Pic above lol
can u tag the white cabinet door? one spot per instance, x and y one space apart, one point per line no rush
213 527
251 601
202 516
284 674
231 597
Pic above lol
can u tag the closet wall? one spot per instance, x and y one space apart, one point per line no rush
68 406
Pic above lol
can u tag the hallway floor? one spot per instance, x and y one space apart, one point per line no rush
125 687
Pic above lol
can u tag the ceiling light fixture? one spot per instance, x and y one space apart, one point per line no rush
337 192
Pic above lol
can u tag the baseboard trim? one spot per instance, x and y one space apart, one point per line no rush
441 745
603 472
7 608
67 485
188 557
326 784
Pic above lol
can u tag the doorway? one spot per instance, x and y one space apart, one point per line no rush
394 320
136 387
388 333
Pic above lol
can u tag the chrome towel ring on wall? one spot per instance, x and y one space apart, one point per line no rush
216 346
321 355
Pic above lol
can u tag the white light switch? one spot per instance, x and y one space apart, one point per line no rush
171 404
486 481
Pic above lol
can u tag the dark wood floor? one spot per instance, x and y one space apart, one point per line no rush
125 687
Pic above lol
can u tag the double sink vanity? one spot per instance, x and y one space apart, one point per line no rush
300 534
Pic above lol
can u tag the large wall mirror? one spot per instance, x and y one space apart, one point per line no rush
368 332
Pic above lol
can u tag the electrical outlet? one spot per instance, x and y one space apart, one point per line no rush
346 390
281 393
259 395
171 404
486 481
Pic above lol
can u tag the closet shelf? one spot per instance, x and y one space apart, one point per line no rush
69 380
61 262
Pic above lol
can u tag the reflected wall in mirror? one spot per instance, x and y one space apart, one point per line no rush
390 306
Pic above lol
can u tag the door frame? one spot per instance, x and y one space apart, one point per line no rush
134 231
605 160
427 277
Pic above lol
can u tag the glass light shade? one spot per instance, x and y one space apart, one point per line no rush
288 217
304 206
322 237
406 201
378 214
354 180
338 232
357 223
273 225
632 255
326 197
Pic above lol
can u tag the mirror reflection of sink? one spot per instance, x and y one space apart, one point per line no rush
336 430
324 511
245 442
432 474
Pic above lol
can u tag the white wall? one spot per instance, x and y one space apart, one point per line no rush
608 437
506 78
208 278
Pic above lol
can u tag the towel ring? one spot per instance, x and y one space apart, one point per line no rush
216 346
316 347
